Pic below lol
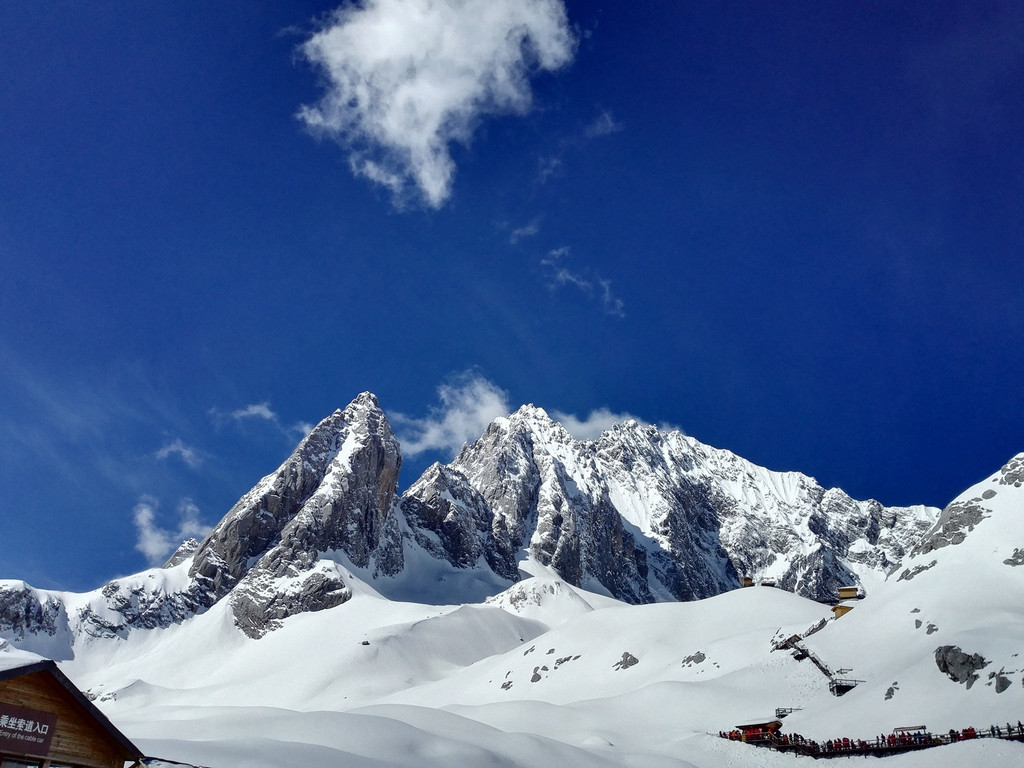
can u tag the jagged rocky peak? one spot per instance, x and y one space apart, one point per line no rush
184 551
348 512
680 519
450 519
334 492
256 520
526 423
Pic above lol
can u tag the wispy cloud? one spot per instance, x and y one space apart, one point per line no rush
468 405
88 430
597 421
407 78
550 167
603 125
156 543
261 412
612 304
528 230
255 411
186 453
590 283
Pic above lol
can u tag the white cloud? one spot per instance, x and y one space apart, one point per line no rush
602 125
600 419
186 453
467 407
255 411
156 543
591 284
407 78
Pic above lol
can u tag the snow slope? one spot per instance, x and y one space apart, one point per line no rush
547 673
610 685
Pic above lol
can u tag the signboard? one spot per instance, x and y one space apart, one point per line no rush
25 731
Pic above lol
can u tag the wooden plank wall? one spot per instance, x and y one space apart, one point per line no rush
77 738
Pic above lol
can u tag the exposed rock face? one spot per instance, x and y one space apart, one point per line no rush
956 521
273 553
1001 681
961 667
22 611
128 604
628 660
349 510
451 520
1016 559
182 553
113 611
256 522
516 492
917 570
647 515
1012 472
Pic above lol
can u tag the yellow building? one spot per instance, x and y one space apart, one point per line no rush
841 610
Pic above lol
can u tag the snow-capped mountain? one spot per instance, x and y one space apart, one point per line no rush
638 514
645 515
326 620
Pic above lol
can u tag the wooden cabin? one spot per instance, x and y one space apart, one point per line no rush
849 593
746 581
841 610
46 722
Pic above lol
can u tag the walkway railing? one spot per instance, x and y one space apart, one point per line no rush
879 746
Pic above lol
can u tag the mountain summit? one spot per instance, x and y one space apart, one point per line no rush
334 494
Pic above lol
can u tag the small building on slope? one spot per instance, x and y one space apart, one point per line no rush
46 722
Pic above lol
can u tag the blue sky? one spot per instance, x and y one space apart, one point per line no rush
793 230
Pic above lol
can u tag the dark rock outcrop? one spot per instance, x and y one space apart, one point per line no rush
956 521
22 612
959 666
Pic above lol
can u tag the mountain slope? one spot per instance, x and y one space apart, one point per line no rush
945 634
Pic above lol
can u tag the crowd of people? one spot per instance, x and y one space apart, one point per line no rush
899 740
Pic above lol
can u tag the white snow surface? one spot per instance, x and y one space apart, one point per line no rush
548 674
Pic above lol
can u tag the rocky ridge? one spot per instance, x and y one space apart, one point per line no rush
645 515
638 514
